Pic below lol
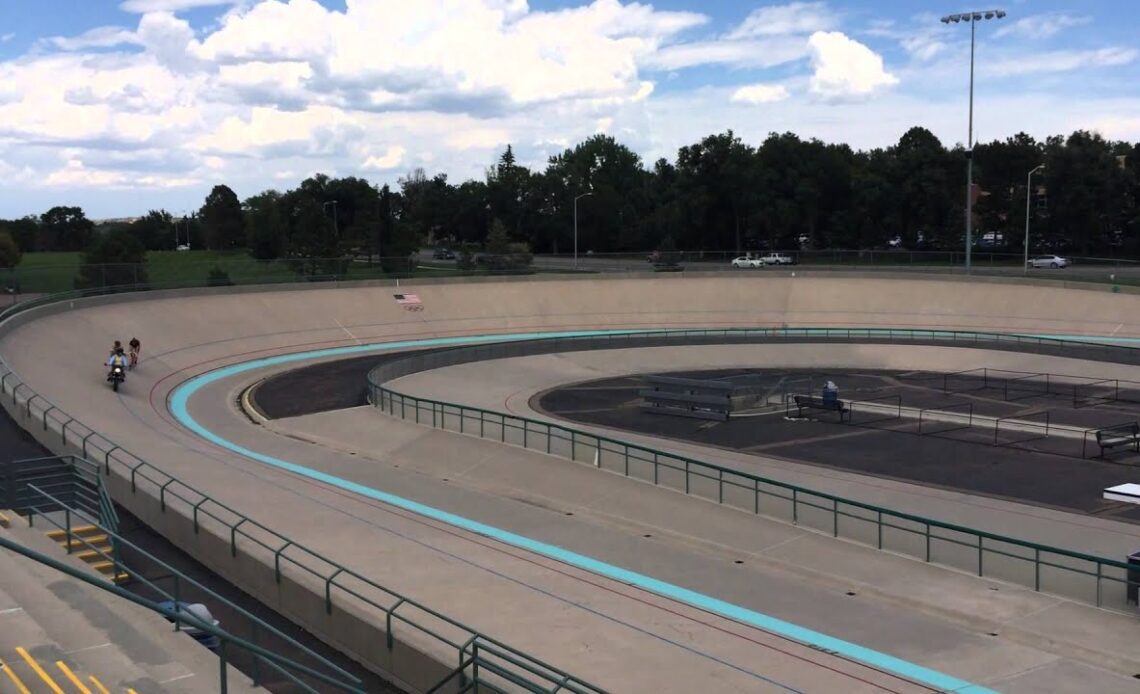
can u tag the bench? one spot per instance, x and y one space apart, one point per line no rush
1123 435
814 402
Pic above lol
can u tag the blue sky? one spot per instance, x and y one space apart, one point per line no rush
125 105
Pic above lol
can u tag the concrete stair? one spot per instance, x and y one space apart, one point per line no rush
91 545
58 634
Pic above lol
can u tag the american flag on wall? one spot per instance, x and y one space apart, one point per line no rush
407 298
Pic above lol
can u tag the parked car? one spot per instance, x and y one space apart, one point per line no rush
778 259
443 254
745 261
1053 261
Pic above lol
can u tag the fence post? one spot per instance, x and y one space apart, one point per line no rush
1037 569
981 551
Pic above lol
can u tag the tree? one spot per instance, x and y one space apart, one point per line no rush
65 229
25 232
9 252
115 259
155 231
266 224
313 246
222 219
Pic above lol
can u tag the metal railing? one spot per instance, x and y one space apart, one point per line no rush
339 584
226 639
339 678
1098 580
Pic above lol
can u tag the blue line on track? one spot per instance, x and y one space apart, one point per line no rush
180 397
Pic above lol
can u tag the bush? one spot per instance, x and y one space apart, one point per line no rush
218 278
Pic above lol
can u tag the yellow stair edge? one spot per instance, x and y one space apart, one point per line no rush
87 540
36 668
4 522
91 555
19 684
59 534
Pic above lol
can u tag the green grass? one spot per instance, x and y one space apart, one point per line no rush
56 272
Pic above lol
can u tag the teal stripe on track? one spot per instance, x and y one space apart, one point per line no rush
179 400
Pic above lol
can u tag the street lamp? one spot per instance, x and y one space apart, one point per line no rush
1028 188
336 227
576 226
973 18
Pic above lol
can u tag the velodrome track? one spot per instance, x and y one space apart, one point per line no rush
602 628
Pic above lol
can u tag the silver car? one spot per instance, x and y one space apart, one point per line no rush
747 262
1053 261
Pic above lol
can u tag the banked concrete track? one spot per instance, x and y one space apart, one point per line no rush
619 636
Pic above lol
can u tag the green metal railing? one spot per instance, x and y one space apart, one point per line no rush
227 639
48 507
1094 579
480 659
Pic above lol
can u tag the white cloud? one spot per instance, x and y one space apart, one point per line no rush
779 20
145 6
923 47
845 68
99 37
1041 26
387 161
5 38
75 175
759 94
1060 61
1114 127
753 54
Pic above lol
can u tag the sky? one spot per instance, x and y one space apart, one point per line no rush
122 106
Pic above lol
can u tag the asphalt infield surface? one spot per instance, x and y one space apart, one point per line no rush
1025 466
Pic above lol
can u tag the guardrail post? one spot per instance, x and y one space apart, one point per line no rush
928 542
981 552
835 517
233 536
223 681
196 506
162 495
574 448
328 589
1037 569
67 522
1099 569
686 476
879 527
389 639
795 506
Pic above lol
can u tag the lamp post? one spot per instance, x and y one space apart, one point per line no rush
1028 189
576 226
973 18
336 227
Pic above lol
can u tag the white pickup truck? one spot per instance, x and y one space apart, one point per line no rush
778 259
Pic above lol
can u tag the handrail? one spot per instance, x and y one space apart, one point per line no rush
202 506
253 619
187 617
403 405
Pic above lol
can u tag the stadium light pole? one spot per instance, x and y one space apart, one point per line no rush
973 18
576 225
1028 188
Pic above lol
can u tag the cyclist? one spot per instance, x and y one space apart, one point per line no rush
136 348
